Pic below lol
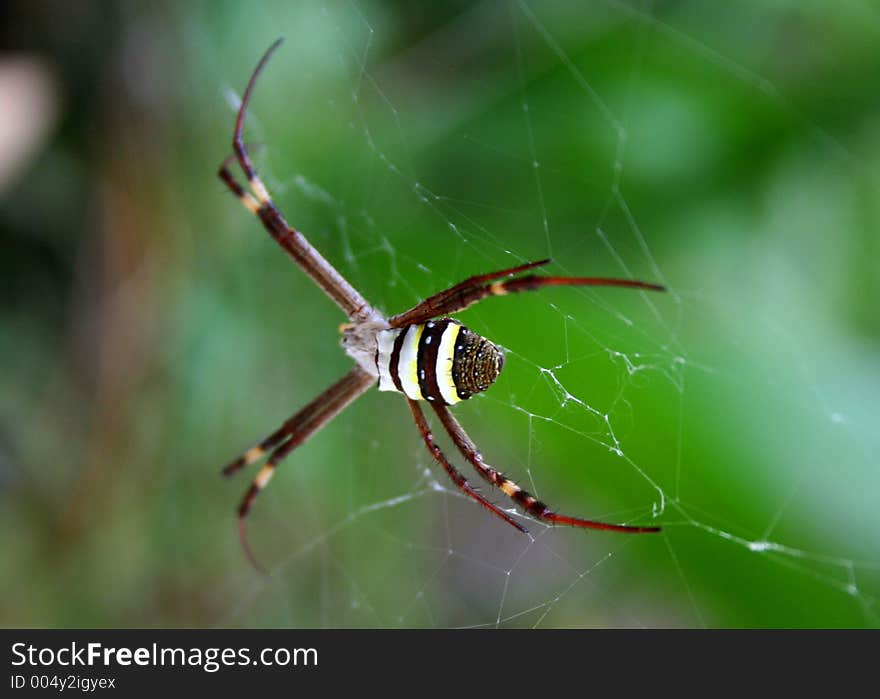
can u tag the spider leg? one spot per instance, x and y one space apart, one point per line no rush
288 427
528 502
263 477
480 279
474 289
295 431
246 198
238 142
454 473
294 243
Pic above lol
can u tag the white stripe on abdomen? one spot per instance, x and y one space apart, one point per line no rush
385 345
407 367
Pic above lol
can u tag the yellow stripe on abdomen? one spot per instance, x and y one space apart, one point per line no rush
445 357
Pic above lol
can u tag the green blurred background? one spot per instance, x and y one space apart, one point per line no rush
151 330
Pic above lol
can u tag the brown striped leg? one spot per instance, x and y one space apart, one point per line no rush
454 474
259 450
243 196
528 502
474 289
295 431
294 243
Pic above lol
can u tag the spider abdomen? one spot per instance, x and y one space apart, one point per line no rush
440 361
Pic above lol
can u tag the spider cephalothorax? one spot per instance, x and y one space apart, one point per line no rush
419 353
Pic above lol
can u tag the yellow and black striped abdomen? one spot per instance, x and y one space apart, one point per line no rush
440 360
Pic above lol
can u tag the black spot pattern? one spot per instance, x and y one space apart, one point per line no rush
476 363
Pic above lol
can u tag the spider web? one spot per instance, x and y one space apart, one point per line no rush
733 410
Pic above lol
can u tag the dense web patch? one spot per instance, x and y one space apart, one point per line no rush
606 368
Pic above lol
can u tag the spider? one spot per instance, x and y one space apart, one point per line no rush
420 353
